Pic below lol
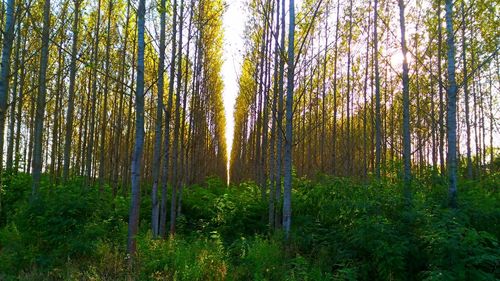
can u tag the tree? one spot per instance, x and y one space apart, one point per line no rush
378 121
335 61
441 95
466 94
175 149
15 98
155 205
287 193
71 94
104 115
93 99
451 92
279 144
4 79
41 100
348 164
163 210
406 106
133 224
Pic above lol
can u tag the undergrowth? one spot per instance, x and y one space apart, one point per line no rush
342 230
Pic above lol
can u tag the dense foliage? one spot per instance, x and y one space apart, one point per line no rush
113 129
342 230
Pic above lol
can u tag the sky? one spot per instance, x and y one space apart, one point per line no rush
234 24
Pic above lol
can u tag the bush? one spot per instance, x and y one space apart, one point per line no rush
232 212
457 252
182 259
341 230
61 224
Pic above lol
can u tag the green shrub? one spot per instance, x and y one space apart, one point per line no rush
257 259
182 259
457 252
341 230
61 224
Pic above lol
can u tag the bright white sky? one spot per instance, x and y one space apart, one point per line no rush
234 24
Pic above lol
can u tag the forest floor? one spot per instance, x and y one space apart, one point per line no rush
342 230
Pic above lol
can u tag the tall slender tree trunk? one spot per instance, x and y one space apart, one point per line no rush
163 207
8 40
130 125
349 154
452 106
81 133
365 100
483 129
323 96
71 94
119 127
492 120
175 148
194 106
442 159
41 100
418 123
476 90
183 143
15 100
265 93
258 112
155 215
20 103
31 133
466 94
133 224
86 103
104 114
335 59
274 129
378 118
55 118
433 120
287 195
93 100
406 106
279 149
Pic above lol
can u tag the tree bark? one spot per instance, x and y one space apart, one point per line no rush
452 107
104 114
175 149
406 107
40 102
349 154
287 195
15 100
378 118
365 99
163 207
183 143
71 94
155 206
442 126
20 103
279 144
274 130
8 40
93 100
466 95
335 60
133 224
